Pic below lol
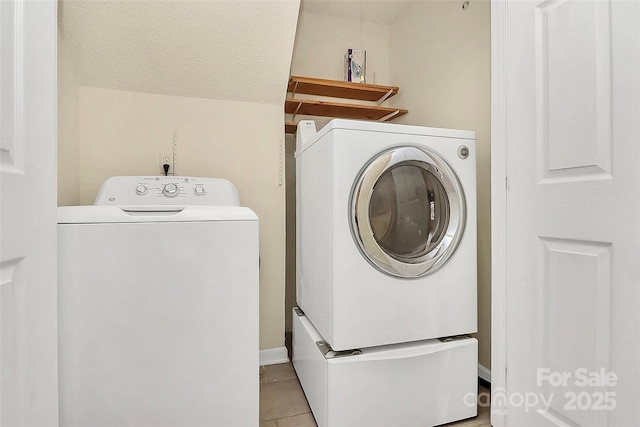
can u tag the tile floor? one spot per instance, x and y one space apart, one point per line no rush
282 401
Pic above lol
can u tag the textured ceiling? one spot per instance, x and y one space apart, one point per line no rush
220 49
382 11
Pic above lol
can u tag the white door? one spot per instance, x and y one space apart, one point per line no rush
28 335
567 220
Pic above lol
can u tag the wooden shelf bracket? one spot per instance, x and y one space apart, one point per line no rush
295 88
296 110
385 96
389 116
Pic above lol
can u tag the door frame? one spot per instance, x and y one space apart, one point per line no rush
499 190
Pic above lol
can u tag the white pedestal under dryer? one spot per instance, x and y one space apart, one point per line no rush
420 383
158 306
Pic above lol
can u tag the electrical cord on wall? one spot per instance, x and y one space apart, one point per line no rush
166 169
175 152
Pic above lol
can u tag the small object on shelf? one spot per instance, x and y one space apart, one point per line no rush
355 65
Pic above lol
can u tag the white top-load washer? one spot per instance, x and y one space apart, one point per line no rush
158 305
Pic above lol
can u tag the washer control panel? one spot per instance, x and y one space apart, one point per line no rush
167 190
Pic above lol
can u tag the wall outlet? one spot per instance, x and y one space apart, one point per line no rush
166 159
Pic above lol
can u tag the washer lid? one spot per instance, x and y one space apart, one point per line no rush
152 213
407 212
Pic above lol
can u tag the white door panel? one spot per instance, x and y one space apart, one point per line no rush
571 125
28 337
573 58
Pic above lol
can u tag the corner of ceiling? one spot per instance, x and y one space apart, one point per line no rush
229 50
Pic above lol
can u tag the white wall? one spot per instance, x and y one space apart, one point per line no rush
68 184
321 42
441 60
123 133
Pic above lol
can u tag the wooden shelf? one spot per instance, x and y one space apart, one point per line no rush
340 89
310 107
290 127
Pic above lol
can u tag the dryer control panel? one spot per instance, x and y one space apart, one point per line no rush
167 190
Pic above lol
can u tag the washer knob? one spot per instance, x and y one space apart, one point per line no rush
199 191
170 190
141 189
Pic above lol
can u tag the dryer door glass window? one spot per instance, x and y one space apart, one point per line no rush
408 212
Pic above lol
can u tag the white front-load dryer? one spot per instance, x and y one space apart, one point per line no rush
386 226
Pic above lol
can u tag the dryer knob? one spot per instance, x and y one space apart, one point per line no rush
141 189
170 190
199 191
463 152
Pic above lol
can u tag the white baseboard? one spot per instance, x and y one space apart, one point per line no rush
484 373
272 356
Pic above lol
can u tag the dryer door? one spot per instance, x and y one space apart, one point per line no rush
408 212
